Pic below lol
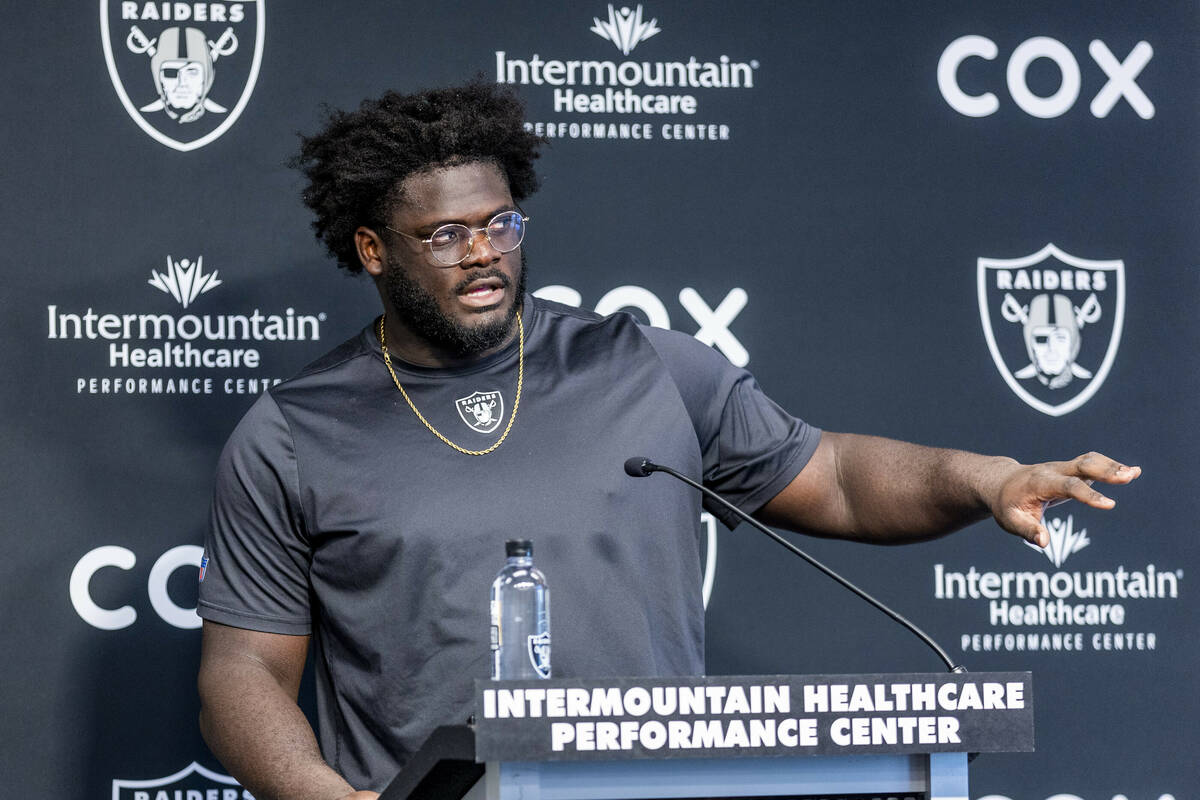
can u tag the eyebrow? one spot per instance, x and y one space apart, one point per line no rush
433 226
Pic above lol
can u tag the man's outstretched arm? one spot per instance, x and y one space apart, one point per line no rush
248 684
885 491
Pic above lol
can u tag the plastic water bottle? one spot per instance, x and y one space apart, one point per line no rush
520 617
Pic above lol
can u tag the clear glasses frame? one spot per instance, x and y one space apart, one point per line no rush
470 233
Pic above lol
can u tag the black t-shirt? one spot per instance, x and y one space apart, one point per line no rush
337 513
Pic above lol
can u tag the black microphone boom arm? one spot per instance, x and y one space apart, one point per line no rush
639 467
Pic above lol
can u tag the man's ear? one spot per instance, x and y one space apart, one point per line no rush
371 251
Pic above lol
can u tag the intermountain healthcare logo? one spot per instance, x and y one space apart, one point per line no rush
1064 540
1060 611
193 782
625 28
161 353
184 280
1052 323
583 91
183 71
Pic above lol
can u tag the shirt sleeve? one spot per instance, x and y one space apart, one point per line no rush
750 447
256 554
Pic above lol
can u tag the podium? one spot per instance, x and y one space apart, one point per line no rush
819 736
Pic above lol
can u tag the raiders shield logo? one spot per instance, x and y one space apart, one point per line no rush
482 411
1052 322
191 781
539 653
183 71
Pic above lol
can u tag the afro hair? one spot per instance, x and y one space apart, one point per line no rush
355 166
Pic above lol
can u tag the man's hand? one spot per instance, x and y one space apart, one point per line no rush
362 795
888 492
1021 492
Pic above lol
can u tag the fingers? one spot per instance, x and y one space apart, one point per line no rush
1102 468
1047 484
1027 527
1078 489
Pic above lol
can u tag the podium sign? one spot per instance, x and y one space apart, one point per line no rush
764 715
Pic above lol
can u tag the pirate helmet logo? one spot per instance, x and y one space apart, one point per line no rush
193 62
1052 342
184 74
482 411
1058 321
194 780
538 650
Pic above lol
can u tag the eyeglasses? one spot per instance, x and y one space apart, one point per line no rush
453 242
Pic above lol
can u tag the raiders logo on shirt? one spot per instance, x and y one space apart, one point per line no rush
482 411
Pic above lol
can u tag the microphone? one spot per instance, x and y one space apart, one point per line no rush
640 467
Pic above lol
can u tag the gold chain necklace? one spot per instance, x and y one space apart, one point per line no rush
387 359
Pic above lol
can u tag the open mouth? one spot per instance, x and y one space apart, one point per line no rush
483 292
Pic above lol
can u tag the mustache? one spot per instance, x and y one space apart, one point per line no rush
505 282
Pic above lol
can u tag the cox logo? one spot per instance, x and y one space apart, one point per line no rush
714 322
1121 77
1072 797
112 619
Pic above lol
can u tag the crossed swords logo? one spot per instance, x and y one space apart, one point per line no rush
1086 314
138 42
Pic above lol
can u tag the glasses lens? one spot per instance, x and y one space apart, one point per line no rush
450 243
506 231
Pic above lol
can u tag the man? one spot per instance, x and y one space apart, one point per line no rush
365 502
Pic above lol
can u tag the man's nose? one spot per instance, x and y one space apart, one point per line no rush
481 251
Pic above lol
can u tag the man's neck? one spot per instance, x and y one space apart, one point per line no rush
407 345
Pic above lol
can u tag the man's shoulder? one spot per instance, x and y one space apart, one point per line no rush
560 315
340 357
676 349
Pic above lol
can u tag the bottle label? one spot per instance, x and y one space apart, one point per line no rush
494 613
539 653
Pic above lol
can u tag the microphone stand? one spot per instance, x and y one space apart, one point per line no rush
639 467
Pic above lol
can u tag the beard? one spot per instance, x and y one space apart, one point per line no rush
421 313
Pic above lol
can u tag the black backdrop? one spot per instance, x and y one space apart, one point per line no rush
843 215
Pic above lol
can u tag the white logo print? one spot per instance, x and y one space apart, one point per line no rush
182 64
538 646
186 64
591 98
192 781
1064 540
482 411
625 28
1060 309
184 280
1121 75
